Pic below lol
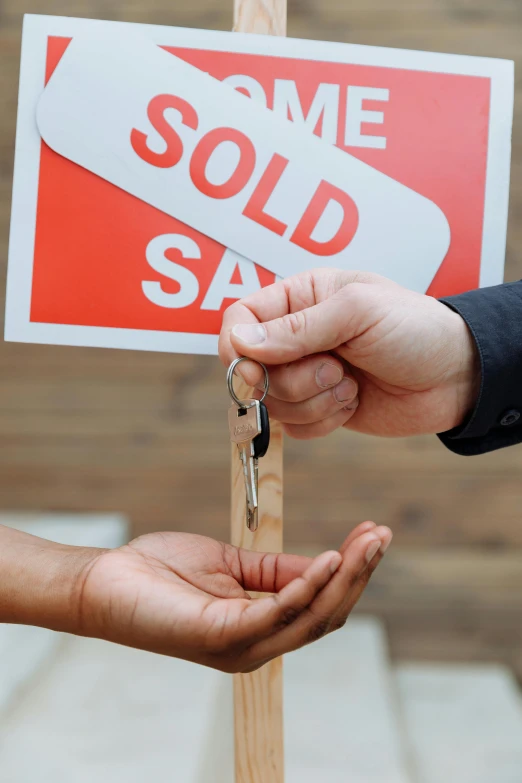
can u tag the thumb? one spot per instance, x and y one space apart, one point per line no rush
322 327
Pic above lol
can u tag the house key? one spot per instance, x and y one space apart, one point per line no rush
250 430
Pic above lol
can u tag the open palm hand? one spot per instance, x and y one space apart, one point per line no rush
186 596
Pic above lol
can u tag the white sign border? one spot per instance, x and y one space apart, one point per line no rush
18 326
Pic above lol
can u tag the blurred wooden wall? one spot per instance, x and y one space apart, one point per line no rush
145 434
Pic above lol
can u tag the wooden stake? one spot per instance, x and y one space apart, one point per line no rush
258 697
265 17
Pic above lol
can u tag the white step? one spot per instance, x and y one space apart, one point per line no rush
116 715
24 649
100 530
110 714
340 715
463 723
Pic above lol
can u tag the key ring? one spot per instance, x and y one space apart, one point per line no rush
230 379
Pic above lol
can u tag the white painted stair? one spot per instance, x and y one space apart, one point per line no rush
76 710
340 718
462 723
115 715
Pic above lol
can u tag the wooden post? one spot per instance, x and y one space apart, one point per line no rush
265 17
258 697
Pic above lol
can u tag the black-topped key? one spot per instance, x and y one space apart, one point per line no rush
262 441
250 431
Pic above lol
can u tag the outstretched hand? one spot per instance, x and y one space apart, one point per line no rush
354 350
186 596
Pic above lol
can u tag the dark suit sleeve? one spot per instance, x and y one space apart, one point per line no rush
494 317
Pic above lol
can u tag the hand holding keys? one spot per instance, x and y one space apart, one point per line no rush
250 431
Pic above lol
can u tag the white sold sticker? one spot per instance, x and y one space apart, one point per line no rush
198 150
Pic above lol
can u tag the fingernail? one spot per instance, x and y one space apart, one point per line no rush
252 334
372 550
353 405
386 543
346 390
328 375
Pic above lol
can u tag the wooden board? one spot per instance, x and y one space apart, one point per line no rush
264 17
258 697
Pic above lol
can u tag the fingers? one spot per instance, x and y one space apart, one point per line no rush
299 316
321 327
364 527
305 392
238 313
276 300
269 573
315 409
297 381
353 596
265 615
293 335
330 606
273 302
322 428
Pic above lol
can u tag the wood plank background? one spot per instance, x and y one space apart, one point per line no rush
145 434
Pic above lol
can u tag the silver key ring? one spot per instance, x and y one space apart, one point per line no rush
230 379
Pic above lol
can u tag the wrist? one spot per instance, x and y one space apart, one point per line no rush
41 581
468 371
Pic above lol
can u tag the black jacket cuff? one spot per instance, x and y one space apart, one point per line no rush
494 317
